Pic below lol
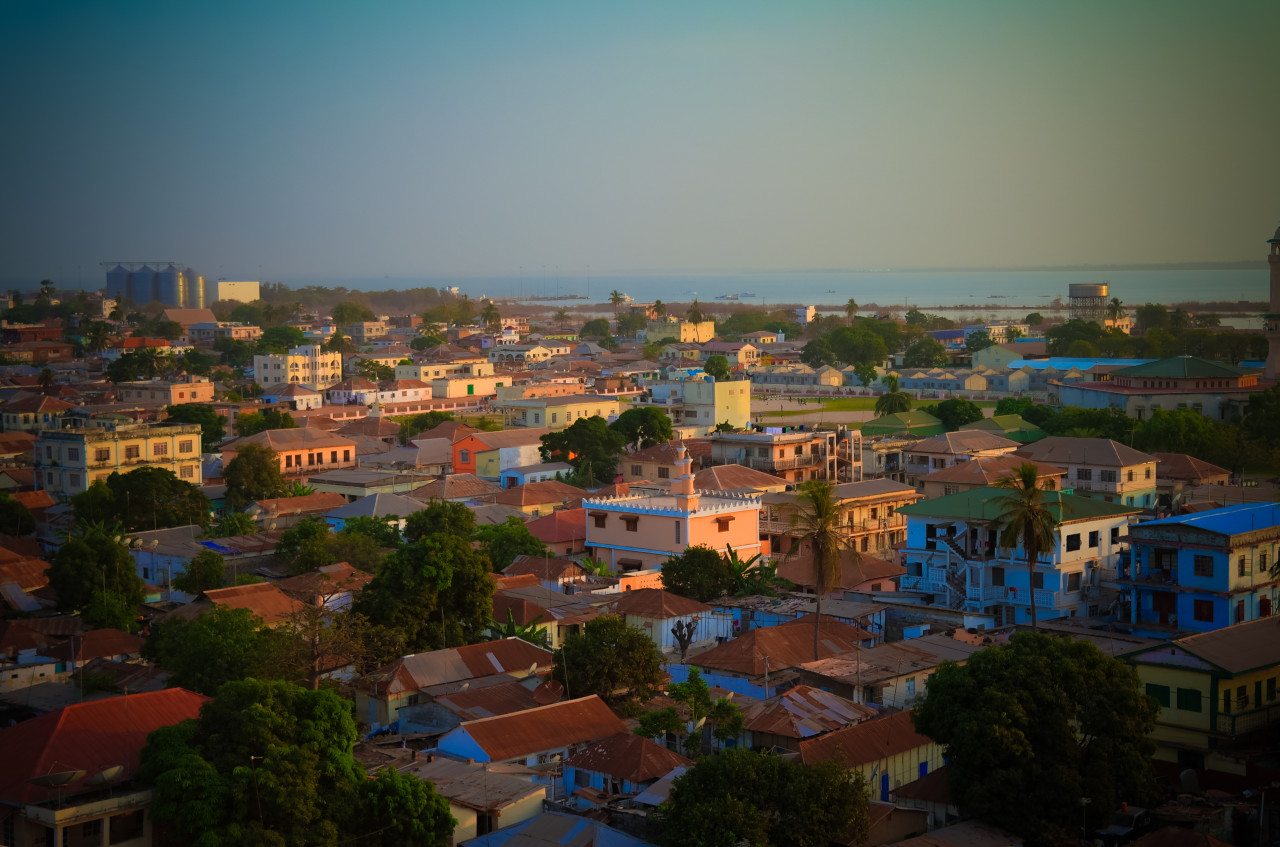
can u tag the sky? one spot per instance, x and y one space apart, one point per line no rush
312 141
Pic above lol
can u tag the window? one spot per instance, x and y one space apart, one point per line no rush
636 470
1203 566
1271 689
1226 702
102 454
91 829
1129 475
464 457
664 473
1108 476
599 520
132 451
333 456
911 687
1202 610
1073 582
311 458
632 523
1037 580
1148 473
1189 700
1073 541
1242 697
288 460
1242 566
555 417
187 472
1262 563
346 455
73 454
74 480
1159 693
997 576
160 448
1115 535
866 543
1084 473
1093 538
184 446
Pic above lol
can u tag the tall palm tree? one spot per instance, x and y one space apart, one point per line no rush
817 523
489 314
892 401
695 314
96 336
617 298
562 317
659 308
851 310
1115 309
48 383
1028 520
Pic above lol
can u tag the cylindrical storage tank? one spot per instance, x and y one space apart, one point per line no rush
142 285
169 289
1087 290
194 284
117 281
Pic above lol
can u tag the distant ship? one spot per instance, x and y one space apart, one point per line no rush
747 294
727 297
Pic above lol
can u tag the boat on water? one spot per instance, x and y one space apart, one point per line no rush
747 294
727 297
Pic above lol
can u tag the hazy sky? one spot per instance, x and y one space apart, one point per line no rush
287 140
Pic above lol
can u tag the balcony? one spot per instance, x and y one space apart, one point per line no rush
1247 722
769 464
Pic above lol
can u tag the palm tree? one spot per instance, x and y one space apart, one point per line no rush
562 317
851 310
232 523
1028 521
659 308
298 489
532 631
892 401
1115 309
695 313
489 315
617 298
96 335
48 383
817 525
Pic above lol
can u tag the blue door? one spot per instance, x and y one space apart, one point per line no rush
884 788
924 768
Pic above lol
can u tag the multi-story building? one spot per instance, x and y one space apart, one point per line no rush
213 330
443 370
1100 468
560 412
518 355
1214 688
301 451
795 456
70 460
192 389
687 332
364 332
943 451
868 515
1205 570
984 472
659 461
488 454
307 365
638 532
739 354
1215 389
34 413
953 553
701 404
240 291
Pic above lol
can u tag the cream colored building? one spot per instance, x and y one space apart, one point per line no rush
70 460
244 292
682 331
560 412
308 366
196 389
701 404
443 370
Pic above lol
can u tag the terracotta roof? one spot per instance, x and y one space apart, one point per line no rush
129 677
865 743
734 478
543 567
963 441
930 788
377 427
544 728
539 493
355 383
34 500
986 470
803 712
1065 450
306 504
502 699
22 477
17 636
629 757
27 572
299 438
696 449
656 604
456 486
264 599
1186 468
562 525
37 403
187 317
854 570
523 611
96 643
323 422
524 580
325 581
458 664
86 736
787 646
452 430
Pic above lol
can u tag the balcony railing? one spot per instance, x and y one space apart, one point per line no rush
1246 722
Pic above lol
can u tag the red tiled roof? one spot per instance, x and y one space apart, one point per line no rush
864 743
524 580
16 636
306 504
458 664
539 493
86 736
987 469
96 643
696 449
326 581
1180 466
543 567
27 572
298 438
33 500
264 599
523 611
503 699
628 756
456 486
561 526
657 604
803 712
38 403
786 646
734 478
544 728
452 430
854 571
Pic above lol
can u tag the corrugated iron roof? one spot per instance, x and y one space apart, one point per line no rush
473 785
804 712
657 604
544 728
866 742
628 756
782 647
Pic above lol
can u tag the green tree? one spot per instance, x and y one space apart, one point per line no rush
221 645
305 546
15 518
701 573
1034 319
617 299
440 516
980 340
717 367
721 715
375 371
92 570
145 498
817 353
609 659
211 423
426 342
866 373
275 768
1027 522
144 364
235 352
596 328
385 531
925 353
643 427
280 339
232 523
503 542
252 423
955 413
357 549
254 474
533 631
1047 718
205 570
695 313
851 310
1151 316
893 401
816 524
1014 406
490 316
631 323
590 446
96 335
852 345
740 796
349 312
1115 309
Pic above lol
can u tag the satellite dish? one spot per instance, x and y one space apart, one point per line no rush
56 780
464 686
697 725
533 669
105 776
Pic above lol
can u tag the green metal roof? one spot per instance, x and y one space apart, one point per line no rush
906 423
983 504
1184 366
1012 427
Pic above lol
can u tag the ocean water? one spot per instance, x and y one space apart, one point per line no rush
981 290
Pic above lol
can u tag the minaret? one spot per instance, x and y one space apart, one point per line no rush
1273 314
682 488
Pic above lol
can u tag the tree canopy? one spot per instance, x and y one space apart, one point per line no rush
1043 719
925 353
254 474
740 796
700 572
954 413
221 645
643 426
590 446
204 571
717 367
15 518
504 541
211 423
349 312
305 546
145 498
252 423
609 659
93 573
274 765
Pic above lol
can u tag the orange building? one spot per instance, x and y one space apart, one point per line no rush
637 532
170 393
302 451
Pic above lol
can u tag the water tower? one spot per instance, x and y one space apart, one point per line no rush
1088 301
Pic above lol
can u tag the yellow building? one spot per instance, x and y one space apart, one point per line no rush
70 460
686 332
442 370
481 800
887 751
308 366
560 412
1213 688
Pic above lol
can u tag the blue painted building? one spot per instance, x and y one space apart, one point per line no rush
1207 570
